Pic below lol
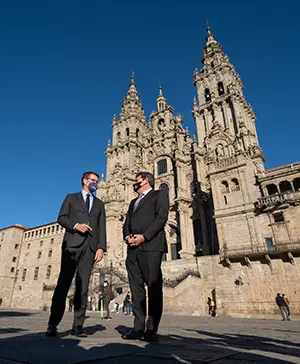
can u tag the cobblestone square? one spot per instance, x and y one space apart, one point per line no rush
182 340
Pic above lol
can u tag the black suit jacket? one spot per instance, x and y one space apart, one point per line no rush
149 219
73 211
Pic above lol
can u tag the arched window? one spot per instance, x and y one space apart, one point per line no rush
127 132
235 183
296 184
285 186
118 137
165 187
272 189
207 95
161 123
221 88
225 187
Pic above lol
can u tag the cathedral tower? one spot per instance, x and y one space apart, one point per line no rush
228 156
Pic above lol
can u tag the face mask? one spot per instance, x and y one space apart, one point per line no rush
93 186
137 186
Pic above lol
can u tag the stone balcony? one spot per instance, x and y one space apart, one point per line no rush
278 200
285 250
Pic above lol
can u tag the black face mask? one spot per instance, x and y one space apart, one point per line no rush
137 186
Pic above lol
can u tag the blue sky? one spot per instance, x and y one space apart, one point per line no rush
65 67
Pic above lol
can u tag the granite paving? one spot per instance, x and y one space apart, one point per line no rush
182 340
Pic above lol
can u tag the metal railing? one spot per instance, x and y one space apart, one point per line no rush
278 198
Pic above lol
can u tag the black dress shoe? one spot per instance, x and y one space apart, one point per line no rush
133 335
79 332
150 336
51 331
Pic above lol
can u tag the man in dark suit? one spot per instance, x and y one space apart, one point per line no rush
144 234
83 217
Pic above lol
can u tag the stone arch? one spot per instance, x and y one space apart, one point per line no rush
296 184
225 187
272 189
285 186
235 184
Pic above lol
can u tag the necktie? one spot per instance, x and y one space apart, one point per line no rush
137 202
87 203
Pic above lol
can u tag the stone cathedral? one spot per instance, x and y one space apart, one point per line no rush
233 231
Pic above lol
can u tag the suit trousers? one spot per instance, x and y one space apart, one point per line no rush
80 259
144 267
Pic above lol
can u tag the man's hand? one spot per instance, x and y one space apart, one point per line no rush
129 239
99 255
138 239
83 228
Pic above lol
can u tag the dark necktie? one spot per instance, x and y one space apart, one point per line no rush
87 203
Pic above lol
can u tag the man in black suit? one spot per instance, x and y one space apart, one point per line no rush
83 217
144 234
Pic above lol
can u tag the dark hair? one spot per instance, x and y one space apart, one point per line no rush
147 175
87 175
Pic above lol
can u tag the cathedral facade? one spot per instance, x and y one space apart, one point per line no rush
233 229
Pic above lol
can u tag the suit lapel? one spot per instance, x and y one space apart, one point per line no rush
142 201
94 205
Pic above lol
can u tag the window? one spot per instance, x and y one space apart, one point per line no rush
220 88
24 275
225 187
61 228
50 253
164 187
225 200
207 95
52 241
40 233
278 217
53 229
127 132
17 275
28 245
269 244
39 255
12 269
14 259
57 228
36 273
32 234
48 230
2 236
137 133
16 246
36 233
48 275
41 243
44 231
162 167
236 186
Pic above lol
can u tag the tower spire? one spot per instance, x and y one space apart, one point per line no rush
161 101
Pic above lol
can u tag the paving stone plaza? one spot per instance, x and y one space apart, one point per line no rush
182 340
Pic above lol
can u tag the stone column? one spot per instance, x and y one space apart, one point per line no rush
186 231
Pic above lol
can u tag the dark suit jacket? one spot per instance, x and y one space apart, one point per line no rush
149 219
73 211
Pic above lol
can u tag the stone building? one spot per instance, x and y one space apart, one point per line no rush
233 229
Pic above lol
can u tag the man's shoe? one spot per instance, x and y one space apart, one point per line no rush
51 331
133 335
79 332
108 318
150 336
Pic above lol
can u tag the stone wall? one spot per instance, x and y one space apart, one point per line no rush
255 295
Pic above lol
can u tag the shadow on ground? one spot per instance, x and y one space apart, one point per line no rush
15 313
187 348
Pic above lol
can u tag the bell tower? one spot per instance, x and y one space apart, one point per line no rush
228 155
